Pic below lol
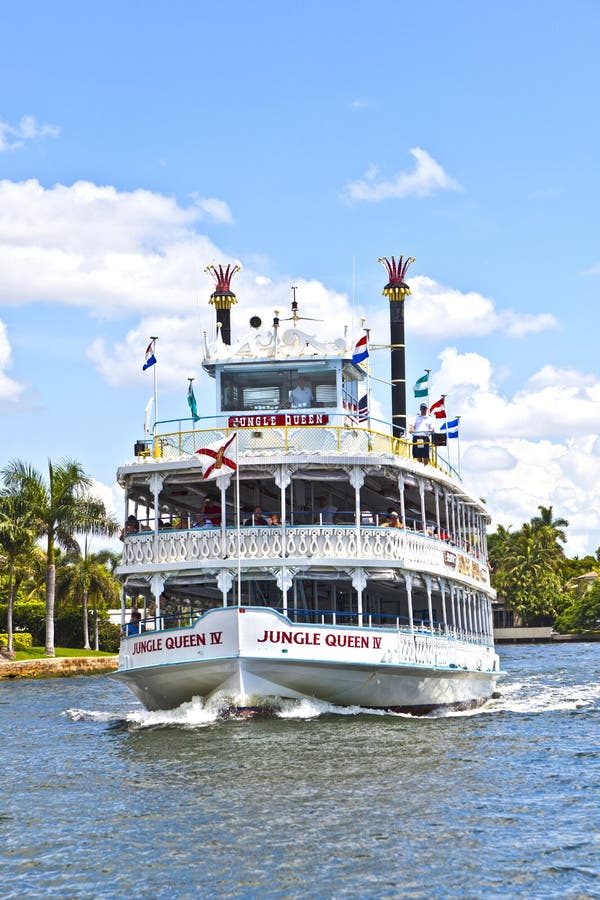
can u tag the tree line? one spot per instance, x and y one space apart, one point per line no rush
45 518
537 582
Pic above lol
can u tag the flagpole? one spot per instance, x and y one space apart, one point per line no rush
367 332
237 516
458 443
154 340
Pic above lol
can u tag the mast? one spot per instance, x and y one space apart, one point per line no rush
223 297
396 290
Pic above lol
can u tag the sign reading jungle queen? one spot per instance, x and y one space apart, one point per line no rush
286 419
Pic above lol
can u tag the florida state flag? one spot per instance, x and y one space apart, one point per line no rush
216 459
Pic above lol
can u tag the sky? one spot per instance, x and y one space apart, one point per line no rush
142 141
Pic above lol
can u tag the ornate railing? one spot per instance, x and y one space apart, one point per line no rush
393 547
336 437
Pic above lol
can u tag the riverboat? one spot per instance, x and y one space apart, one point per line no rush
292 547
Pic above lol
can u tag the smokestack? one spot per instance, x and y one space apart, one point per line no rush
396 290
223 297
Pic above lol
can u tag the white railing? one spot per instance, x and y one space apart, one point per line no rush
390 545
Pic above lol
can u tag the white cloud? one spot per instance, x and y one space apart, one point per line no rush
13 137
425 179
111 251
437 312
359 103
552 405
563 475
539 446
216 210
10 391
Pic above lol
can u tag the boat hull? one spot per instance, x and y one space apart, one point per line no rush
253 658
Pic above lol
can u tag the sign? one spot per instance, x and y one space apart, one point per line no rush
450 558
285 419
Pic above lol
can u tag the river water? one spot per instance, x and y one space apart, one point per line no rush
101 799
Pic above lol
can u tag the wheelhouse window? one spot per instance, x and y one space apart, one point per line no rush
313 387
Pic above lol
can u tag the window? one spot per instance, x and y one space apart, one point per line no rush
248 390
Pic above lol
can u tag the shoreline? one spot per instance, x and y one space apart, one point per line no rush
57 667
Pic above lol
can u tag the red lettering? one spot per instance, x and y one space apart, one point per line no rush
216 637
376 643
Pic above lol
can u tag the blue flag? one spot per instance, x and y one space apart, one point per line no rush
451 428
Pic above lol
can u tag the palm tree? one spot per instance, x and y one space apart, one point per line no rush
556 527
86 576
19 529
63 506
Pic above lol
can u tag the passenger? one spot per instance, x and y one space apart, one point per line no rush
132 526
211 511
168 611
134 626
274 519
256 518
326 511
394 520
301 396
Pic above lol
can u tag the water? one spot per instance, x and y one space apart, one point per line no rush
101 799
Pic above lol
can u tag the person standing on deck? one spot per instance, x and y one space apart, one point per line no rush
421 430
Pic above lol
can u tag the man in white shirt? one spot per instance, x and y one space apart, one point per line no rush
421 430
301 396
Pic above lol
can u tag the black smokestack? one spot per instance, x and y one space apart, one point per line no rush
396 290
223 297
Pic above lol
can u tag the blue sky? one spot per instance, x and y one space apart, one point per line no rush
141 141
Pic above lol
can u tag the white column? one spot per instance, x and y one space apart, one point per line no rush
156 483
359 583
443 593
285 579
357 479
408 581
421 484
436 492
401 495
427 581
224 583
157 586
283 478
223 482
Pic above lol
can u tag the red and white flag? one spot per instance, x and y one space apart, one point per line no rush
438 409
216 459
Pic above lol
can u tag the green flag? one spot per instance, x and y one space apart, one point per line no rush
192 403
422 387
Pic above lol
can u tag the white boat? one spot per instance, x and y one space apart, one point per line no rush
281 575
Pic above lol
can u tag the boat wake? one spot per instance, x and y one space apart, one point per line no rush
527 697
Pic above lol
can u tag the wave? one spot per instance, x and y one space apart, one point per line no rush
524 697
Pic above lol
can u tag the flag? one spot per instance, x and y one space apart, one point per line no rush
214 461
192 403
422 386
363 408
438 409
150 357
361 350
451 428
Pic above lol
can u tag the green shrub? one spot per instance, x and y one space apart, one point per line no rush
109 636
583 614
